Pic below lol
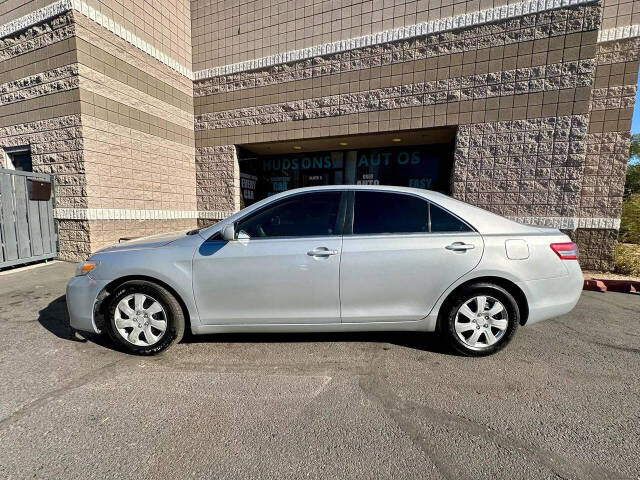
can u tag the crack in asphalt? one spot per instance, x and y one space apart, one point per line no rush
404 413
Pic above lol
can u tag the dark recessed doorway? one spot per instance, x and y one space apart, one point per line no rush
401 159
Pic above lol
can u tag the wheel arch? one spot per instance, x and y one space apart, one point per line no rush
99 308
508 285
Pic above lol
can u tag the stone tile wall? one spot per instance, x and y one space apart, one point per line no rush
113 124
518 89
108 232
522 168
164 24
607 147
137 119
40 107
538 127
620 13
217 180
520 66
542 110
229 32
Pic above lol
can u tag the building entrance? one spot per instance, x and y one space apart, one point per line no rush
418 166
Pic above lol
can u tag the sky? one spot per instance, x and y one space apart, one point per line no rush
635 122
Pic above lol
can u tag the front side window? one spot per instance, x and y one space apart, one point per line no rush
310 214
385 212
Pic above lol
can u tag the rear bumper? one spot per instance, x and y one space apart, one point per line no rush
552 297
82 292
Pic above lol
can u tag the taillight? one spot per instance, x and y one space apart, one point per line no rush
566 251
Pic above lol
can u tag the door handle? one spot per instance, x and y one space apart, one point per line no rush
321 252
460 247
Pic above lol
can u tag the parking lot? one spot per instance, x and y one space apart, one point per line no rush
562 401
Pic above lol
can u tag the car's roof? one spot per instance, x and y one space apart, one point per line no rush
431 194
483 221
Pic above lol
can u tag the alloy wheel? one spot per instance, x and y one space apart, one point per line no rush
140 319
481 322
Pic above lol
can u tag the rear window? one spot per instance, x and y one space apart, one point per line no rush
384 212
443 221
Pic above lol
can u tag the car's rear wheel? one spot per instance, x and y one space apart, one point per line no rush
144 318
479 320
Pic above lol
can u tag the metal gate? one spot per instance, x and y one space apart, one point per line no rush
27 231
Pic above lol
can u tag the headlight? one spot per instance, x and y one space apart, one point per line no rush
85 267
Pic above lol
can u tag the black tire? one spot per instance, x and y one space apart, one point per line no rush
446 321
174 316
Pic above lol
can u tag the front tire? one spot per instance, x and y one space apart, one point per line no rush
479 320
144 318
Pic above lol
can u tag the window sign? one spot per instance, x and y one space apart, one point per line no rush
422 166
417 167
248 186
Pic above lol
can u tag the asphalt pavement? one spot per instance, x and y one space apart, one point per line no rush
562 401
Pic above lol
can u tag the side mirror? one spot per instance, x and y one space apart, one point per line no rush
229 232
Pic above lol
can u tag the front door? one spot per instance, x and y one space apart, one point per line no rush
395 263
284 267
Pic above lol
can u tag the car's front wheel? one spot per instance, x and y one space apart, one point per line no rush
479 320
144 318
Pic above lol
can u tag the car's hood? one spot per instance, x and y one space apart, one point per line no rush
141 243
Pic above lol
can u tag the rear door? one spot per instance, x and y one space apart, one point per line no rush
399 254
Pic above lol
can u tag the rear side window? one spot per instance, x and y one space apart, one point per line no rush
384 212
443 221
310 214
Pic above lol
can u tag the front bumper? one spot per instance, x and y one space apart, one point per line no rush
82 292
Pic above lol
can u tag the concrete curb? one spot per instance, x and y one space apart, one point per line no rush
622 286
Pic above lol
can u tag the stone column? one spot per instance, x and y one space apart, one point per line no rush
217 182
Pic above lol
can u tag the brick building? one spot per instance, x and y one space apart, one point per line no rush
158 115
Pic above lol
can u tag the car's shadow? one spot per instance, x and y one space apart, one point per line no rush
55 319
427 342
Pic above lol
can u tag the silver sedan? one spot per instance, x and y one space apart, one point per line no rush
337 258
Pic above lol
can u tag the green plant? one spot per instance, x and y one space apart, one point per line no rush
627 259
632 181
630 220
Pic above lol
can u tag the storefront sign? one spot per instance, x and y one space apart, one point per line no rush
427 166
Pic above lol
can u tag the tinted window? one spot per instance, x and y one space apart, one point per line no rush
442 221
299 216
382 212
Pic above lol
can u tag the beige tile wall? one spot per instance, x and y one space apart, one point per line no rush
478 75
165 24
40 108
12 9
97 58
120 58
620 13
108 232
229 32
129 169
137 120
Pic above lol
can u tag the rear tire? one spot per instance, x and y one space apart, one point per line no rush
144 318
479 320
